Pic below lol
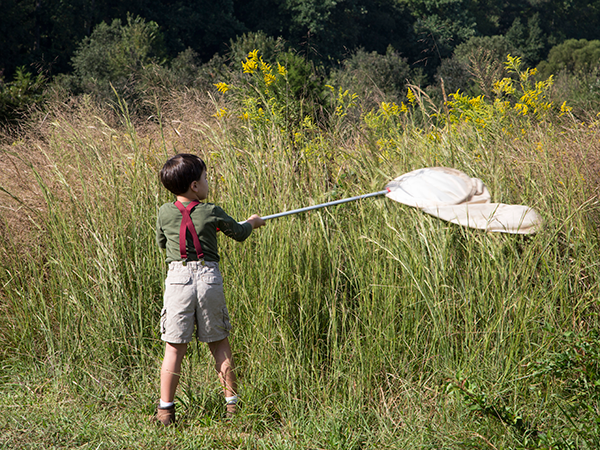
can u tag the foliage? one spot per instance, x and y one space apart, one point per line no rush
202 25
575 368
186 67
327 31
440 26
270 47
577 57
115 55
47 34
375 77
518 96
20 94
476 64
281 95
530 40
575 65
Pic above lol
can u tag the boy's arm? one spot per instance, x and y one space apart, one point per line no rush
161 239
231 228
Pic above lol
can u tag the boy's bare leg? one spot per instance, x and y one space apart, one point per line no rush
221 351
170 371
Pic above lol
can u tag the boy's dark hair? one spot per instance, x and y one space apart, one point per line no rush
180 171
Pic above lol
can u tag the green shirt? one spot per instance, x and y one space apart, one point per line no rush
206 218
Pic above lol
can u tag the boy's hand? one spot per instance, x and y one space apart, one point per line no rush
256 221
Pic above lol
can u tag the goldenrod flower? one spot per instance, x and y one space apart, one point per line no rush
564 109
411 96
264 66
389 108
222 112
222 87
249 66
269 79
281 69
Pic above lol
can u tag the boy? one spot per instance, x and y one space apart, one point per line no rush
187 229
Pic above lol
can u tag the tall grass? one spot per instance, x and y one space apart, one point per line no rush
351 324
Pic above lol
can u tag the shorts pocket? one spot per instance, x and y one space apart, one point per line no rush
179 280
226 322
163 321
212 279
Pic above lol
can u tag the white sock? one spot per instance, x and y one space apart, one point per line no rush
165 404
232 400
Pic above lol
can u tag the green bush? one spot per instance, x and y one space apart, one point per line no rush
269 46
18 95
117 55
475 65
375 77
575 65
530 39
574 56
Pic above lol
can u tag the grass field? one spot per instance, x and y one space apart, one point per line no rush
367 325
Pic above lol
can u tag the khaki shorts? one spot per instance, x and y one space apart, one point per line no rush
194 297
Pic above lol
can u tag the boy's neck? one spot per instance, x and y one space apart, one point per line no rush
186 199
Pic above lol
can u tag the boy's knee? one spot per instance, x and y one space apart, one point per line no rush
178 350
223 366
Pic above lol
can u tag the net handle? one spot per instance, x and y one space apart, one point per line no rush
323 205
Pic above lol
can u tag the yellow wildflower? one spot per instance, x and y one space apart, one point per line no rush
411 96
222 87
564 109
282 70
389 108
266 68
249 66
269 79
222 112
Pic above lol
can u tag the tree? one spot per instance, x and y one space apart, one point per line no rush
328 31
203 25
16 34
439 27
476 64
375 77
575 56
115 54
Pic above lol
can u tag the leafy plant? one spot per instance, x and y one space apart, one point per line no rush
116 55
376 78
276 94
476 64
18 95
569 381
577 57
519 95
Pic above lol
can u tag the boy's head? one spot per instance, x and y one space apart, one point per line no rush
180 171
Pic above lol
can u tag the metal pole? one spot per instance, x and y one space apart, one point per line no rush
323 205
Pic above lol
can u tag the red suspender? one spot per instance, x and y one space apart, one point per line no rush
188 225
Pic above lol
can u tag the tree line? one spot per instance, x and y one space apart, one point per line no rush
372 47
46 33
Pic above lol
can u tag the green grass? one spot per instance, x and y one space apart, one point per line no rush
367 325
